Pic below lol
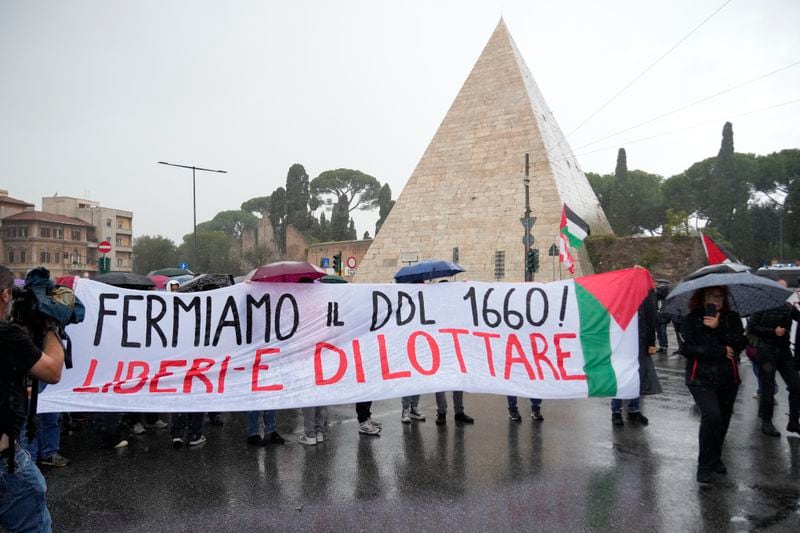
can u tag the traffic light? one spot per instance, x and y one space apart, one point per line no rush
337 263
532 261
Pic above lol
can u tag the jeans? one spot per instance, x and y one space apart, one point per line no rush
363 411
46 442
180 421
23 503
633 405
252 422
661 334
536 403
716 408
770 361
441 402
410 401
315 420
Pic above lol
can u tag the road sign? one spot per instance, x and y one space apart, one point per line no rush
553 251
104 247
184 265
528 223
326 262
351 262
527 240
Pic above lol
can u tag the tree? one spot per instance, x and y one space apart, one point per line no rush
729 190
366 236
601 185
356 189
298 198
260 205
277 216
258 255
324 228
352 235
338 229
216 252
233 223
385 205
619 197
152 253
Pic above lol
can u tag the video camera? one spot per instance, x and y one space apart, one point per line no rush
41 306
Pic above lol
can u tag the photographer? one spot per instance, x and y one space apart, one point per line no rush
23 505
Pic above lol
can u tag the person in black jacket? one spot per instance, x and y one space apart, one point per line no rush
773 328
712 339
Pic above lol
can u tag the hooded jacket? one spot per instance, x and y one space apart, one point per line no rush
707 363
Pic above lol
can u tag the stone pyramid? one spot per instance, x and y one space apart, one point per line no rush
467 190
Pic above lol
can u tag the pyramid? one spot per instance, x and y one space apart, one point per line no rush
467 190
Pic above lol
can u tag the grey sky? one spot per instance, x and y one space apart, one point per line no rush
93 93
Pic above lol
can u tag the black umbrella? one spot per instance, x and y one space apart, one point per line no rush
720 268
747 293
207 282
171 272
126 280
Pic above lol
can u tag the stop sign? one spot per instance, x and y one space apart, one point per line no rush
104 247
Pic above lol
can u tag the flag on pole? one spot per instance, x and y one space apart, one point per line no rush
715 254
573 231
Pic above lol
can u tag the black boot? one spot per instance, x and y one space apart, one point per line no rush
768 429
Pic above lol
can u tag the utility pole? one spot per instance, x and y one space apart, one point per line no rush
527 221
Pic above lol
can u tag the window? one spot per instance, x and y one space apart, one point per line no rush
455 254
499 264
11 256
119 242
23 256
58 233
44 256
44 232
23 231
108 222
76 235
11 233
119 261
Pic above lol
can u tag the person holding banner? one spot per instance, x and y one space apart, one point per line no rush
713 336
271 436
513 411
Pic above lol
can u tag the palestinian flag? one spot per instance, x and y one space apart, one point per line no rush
608 304
715 254
573 231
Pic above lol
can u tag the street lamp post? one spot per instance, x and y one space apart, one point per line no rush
194 197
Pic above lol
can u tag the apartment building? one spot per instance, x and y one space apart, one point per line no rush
112 225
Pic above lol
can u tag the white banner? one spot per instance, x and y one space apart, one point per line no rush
258 346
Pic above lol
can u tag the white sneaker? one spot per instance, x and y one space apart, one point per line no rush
197 440
122 444
374 423
159 424
416 415
138 428
405 416
365 428
308 441
320 437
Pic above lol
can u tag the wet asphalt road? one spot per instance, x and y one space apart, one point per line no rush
572 472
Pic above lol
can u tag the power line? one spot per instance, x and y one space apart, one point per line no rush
646 70
690 105
715 121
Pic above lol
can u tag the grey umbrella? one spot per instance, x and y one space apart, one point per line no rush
207 282
747 293
126 280
720 268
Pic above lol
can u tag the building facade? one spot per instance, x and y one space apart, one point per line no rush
112 225
59 243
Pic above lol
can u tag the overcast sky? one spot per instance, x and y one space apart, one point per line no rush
94 93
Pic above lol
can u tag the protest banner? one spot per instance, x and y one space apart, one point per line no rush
256 346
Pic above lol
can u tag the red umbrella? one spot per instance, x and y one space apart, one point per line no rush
286 272
159 280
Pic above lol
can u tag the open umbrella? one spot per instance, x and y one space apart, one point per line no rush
159 280
207 282
286 272
126 280
720 268
425 270
171 272
747 293
332 278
